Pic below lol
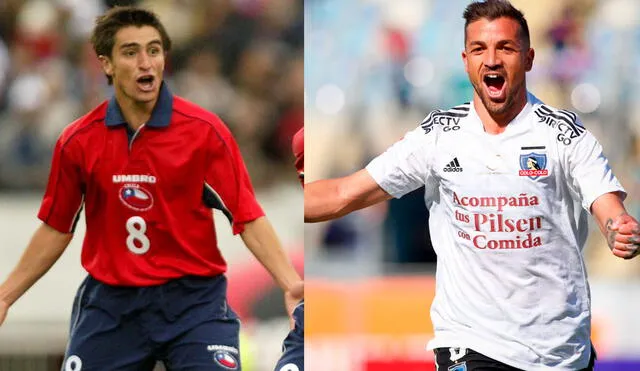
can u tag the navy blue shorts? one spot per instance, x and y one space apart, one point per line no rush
185 323
292 358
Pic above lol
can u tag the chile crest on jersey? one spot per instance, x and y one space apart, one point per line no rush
132 194
136 197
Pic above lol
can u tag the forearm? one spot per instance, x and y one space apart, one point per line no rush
323 201
334 198
44 249
621 230
260 238
605 210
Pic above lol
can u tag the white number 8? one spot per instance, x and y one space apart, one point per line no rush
289 367
136 226
74 363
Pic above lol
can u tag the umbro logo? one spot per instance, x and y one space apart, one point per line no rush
453 166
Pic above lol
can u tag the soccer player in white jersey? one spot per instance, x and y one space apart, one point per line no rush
509 182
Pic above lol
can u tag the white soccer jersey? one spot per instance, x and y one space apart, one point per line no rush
508 223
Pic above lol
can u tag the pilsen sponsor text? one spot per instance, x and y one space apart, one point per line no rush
498 223
492 223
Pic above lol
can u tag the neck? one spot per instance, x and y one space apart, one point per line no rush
135 113
496 123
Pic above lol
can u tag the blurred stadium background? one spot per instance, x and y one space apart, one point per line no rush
373 70
241 59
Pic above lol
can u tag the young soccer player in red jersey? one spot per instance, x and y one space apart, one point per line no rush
148 167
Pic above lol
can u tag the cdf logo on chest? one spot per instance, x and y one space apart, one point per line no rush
533 165
136 197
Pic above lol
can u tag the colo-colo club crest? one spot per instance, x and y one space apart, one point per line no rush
533 165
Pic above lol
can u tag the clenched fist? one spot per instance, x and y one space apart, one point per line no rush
623 236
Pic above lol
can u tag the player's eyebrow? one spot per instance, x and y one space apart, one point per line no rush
477 43
499 43
509 42
136 45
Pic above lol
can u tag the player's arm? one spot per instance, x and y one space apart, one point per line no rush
402 168
261 239
44 249
236 194
333 198
59 211
621 230
601 193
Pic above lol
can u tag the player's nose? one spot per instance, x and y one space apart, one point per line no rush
144 61
492 59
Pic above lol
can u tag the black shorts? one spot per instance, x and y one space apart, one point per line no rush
474 361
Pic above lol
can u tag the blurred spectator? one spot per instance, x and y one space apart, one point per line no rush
4 69
407 230
571 57
398 47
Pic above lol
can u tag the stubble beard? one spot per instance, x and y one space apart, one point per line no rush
494 108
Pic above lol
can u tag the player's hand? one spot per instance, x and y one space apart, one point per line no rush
4 308
292 298
623 237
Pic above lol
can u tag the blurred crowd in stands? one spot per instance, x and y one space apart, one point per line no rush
241 59
377 68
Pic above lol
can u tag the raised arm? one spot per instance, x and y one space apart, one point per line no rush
334 198
620 229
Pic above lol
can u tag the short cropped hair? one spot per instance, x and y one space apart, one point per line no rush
107 25
494 9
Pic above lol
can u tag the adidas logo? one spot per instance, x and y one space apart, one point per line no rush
453 166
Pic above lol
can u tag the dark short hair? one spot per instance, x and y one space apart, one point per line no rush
107 25
494 9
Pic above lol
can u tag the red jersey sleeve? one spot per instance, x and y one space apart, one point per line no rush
63 197
297 146
228 180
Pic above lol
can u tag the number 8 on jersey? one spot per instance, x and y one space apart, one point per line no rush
136 226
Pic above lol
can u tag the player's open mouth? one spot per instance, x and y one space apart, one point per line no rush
145 83
495 85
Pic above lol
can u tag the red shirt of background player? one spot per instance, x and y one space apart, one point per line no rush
297 145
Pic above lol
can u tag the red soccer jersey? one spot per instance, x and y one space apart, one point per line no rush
148 195
297 145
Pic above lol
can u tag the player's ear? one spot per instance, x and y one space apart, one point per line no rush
528 61
464 59
107 65
464 52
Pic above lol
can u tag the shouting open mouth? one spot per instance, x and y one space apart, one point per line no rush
146 83
496 86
